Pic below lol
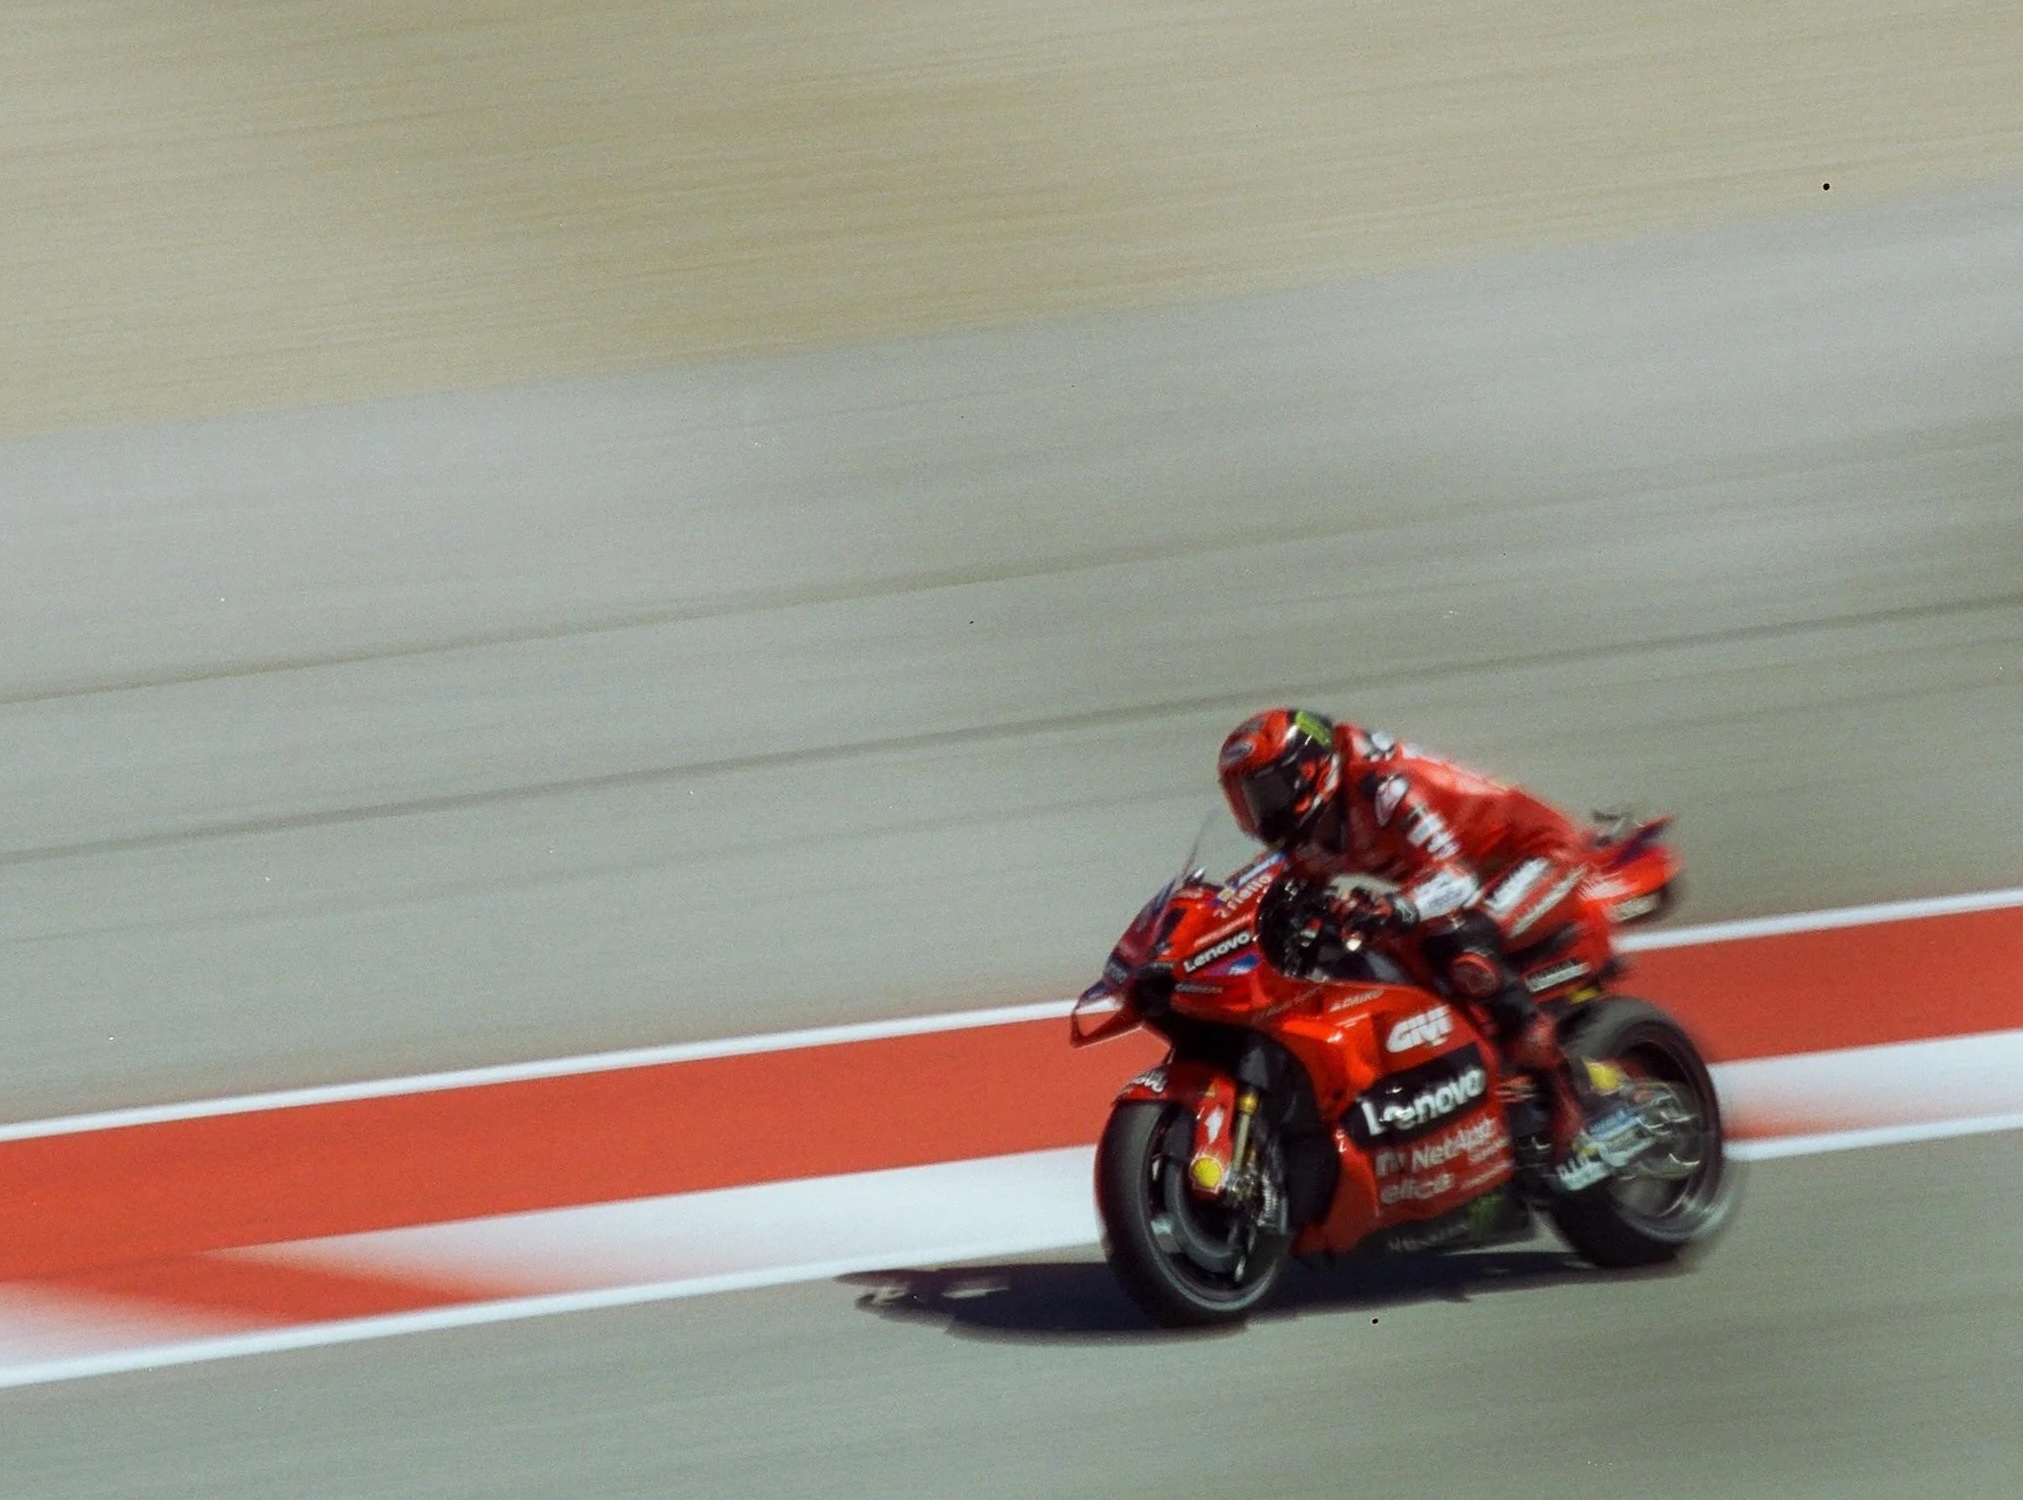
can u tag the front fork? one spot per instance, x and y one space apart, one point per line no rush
1223 1143
1222 1161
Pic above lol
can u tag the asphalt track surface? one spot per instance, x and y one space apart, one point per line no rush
488 726
355 740
229 207
1853 1336
1692 575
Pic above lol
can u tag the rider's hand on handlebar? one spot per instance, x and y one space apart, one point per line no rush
1365 910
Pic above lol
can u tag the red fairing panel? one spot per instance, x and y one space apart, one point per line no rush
1179 1081
1421 1179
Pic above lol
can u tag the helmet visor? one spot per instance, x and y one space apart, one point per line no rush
1271 796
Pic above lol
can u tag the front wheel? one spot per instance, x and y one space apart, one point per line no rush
1190 1262
1680 1190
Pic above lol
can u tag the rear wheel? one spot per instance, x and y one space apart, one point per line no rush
1189 1261
1678 1192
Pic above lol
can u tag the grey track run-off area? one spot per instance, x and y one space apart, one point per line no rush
1825 1351
484 726
213 207
475 727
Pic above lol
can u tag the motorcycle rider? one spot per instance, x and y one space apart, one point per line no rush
1481 869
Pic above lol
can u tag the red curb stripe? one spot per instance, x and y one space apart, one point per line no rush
258 1294
165 1190
1854 987
155 1192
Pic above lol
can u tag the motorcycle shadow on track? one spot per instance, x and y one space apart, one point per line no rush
1080 1301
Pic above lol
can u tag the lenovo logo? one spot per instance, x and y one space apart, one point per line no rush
1424 1109
1417 1101
1222 949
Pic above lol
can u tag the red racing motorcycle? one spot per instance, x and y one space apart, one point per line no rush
1325 1095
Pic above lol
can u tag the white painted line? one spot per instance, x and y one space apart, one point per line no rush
1019 1198
1897 1083
318 1335
1882 1135
40 1324
561 1067
866 1031
1060 1216
1821 921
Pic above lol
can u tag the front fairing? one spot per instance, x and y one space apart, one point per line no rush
1390 1088
1212 951
1193 948
1108 1007
1158 935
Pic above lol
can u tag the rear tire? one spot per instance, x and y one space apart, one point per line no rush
1648 1220
1188 1262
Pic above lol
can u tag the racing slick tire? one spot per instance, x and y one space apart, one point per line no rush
1187 1261
1679 1197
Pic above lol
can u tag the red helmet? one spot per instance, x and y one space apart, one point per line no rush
1278 771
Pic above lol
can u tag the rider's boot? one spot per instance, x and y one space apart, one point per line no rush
1564 1113
1535 1049
1583 1102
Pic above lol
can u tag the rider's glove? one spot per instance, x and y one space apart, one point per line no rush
1376 911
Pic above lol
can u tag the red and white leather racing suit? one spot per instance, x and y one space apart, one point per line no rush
1451 840
1482 869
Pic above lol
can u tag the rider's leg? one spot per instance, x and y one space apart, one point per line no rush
1469 951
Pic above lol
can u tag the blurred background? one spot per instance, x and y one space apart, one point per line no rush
531 532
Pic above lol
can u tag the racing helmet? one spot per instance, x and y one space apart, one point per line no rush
1279 769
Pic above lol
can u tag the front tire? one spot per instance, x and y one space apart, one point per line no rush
1187 1261
1678 1197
